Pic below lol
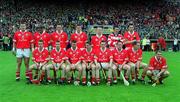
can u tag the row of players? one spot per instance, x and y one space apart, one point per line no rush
82 56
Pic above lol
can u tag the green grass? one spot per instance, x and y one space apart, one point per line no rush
12 91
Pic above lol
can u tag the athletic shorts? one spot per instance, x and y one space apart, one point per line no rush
22 53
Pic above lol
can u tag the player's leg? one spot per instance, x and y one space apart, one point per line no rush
63 72
26 54
19 62
68 73
93 71
43 69
163 76
78 67
33 66
149 74
98 67
132 65
83 74
127 69
48 68
145 68
106 66
114 70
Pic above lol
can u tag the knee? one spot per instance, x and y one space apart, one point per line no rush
166 73
149 73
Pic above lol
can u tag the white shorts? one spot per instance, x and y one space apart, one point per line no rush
105 65
22 53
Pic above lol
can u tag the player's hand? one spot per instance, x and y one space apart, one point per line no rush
14 51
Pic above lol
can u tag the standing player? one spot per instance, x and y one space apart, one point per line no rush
96 39
103 61
113 38
60 35
58 58
131 36
22 42
41 35
135 62
80 37
88 63
120 59
74 61
40 59
157 70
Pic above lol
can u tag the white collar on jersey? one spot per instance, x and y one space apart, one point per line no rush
102 49
57 50
58 32
131 33
157 59
24 31
75 49
118 50
42 50
77 32
99 36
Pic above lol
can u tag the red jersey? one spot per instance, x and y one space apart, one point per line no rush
62 37
162 42
155 64
40 56
134 56
58 56
88 56
112 39
120 57
103 56
96 41
23 40
44 36
80 38
74 55
130 37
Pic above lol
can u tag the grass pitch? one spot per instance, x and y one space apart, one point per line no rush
12 91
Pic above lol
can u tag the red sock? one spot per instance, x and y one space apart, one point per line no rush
17 75
84 79
42 76
92 79
98 80
109 79
63 78
48 78
126 77
27 72
132 76
30 75
115 78
137 74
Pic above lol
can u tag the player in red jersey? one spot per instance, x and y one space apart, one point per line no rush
22 42
113 38
41 34
80 37
135 62
58 58
157 70
131 36
96 39
120 60
103 60
161 43
40 59
74 55
88 63
60 35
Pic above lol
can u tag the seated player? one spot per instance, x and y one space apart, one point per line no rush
135 62
58 58
74 62
88 63
103 60
120 60
157 70
40 59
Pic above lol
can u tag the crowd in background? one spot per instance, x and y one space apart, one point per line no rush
151 19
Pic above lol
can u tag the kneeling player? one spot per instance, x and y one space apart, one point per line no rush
88 63
74 62
135 62
157 70
58 57
120 59
40 59
103 60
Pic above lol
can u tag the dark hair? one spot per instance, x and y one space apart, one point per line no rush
73 41
40 40
158 51
119 41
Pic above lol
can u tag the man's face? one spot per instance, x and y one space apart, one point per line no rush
40 45
57 45
23 27
88 46
137 46
78 28
73 45
103 44
131 28
59 28
119 45
40 30
99 31
116 30
158 55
